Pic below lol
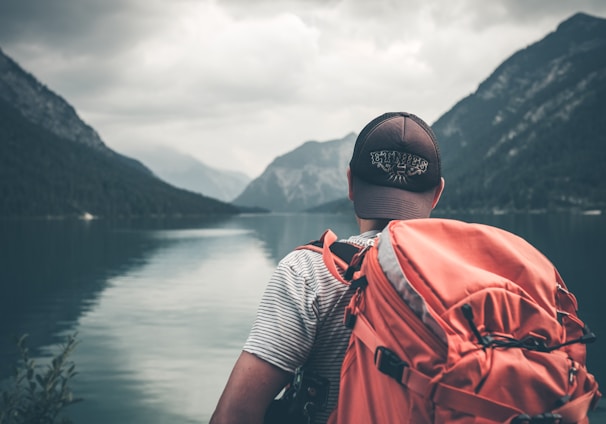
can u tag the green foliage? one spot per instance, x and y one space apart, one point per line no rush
39 395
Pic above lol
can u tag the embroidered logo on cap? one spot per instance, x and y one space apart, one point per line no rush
399 165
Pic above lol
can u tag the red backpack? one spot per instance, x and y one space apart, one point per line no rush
461 323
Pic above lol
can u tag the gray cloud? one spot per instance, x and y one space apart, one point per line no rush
68 25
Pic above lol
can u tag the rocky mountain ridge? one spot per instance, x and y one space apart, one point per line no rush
533 135
311 174
41 106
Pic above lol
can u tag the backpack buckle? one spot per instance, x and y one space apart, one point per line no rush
355 264
350 318
389 363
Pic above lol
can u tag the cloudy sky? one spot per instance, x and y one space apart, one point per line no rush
237 82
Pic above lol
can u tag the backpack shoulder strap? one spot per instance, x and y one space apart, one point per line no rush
336 254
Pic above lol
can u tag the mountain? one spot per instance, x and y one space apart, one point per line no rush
533 135
310 175
187 172
53 164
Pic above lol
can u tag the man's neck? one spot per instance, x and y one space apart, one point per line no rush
371 224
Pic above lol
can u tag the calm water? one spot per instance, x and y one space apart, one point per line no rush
162 308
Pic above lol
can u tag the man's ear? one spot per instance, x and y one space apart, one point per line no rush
350 184
438 193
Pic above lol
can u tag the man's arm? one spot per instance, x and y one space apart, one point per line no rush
251 387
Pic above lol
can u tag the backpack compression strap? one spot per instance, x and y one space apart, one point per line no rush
336 254
452 397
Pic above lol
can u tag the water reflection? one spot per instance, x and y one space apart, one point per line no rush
280 233
173 327
53 272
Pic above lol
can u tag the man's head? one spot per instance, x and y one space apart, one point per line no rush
395 170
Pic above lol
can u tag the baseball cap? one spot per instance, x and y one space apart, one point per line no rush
395 168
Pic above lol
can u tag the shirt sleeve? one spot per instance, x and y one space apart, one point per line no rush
285 327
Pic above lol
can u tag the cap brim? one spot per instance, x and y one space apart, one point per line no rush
380 202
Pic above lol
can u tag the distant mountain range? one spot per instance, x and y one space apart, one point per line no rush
185 171
532 137
52 164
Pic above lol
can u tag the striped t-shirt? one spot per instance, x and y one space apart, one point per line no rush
300 318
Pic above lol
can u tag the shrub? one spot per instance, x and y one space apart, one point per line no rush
35 395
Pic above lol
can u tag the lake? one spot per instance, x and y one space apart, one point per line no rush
162 308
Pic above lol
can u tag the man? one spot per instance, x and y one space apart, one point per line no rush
394 173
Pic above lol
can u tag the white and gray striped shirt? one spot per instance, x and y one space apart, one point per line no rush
300 318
